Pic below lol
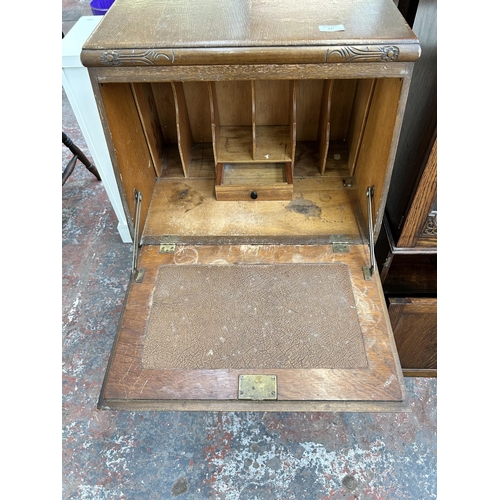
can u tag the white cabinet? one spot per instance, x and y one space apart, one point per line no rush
76 84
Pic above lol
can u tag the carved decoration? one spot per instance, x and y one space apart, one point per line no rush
145 58
157 57
430 226
386 53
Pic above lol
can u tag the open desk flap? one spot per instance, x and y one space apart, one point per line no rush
254 327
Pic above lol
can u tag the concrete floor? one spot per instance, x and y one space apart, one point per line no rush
162 455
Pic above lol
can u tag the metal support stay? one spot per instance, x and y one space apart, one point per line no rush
138 274
368 271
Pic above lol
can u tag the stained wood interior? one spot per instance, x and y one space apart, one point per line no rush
321 210
201 131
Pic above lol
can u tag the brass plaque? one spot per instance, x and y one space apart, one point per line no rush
258 387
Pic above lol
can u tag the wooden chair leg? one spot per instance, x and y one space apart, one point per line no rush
78 155
69 169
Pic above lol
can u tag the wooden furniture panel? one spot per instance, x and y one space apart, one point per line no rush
188 209
412 274
379 142
227 31
414 322
334 389
361 107
124 129
343 92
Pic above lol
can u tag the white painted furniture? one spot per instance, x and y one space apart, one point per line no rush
76 84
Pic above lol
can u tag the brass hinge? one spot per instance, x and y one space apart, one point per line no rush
339 243
258 387
167 244
167 248
341 247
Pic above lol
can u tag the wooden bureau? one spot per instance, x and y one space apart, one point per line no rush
253 144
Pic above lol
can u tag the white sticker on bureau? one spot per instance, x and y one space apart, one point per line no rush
331 27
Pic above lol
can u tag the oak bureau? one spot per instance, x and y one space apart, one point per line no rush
253 143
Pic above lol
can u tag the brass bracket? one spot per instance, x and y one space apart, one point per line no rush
258 387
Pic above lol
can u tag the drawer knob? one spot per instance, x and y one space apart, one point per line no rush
253 195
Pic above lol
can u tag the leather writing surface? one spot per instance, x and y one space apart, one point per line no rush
254 316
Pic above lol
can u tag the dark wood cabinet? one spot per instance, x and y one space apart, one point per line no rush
407 247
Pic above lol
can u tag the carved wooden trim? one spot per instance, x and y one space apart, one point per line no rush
430 225
386 53
148 57
251 55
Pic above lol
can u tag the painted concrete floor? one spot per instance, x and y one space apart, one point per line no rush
162 455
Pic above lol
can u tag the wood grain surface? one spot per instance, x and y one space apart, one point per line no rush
248 23
381 381
319 208
414 321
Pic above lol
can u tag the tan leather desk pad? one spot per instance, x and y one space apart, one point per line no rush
253 317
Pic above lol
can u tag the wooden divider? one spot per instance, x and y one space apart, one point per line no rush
148 115
253 134
214 119
256 121
324 124
343 115
184 134
293 128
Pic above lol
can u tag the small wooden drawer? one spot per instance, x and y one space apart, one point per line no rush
254 181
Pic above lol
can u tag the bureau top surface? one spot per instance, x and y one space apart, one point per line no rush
204 24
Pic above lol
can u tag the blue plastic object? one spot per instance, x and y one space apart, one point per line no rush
100 7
